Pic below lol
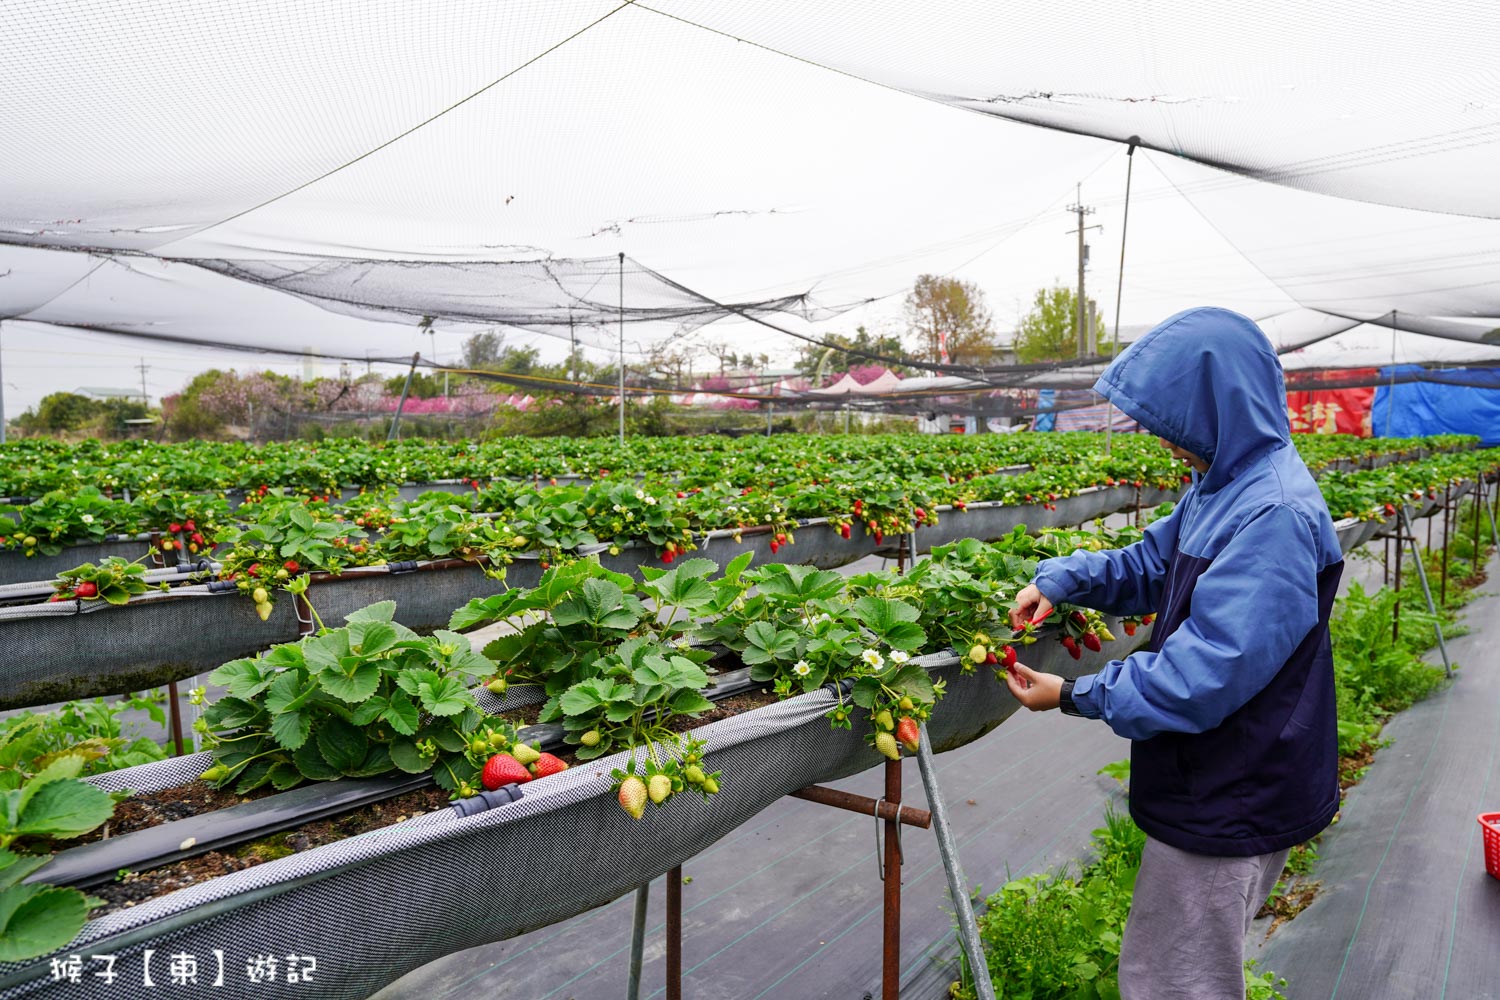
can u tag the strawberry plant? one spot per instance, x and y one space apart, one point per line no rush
356 701
92 731
114 581
50 805
438 528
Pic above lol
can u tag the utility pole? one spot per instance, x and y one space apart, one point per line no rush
1081 323
145 401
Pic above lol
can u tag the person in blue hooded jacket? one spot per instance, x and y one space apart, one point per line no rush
1230 709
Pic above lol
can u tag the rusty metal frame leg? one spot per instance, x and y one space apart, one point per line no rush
892 815
890 979
174 713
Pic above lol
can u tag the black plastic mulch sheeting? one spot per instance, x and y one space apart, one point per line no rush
1407 910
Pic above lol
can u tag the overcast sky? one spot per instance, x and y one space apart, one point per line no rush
732 169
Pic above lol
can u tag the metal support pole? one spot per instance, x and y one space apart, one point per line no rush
890 978
1494 535
1437 625
174 711
674 934
637 942
1396 608
1478 557
968 927
1447 532
1114 352
395 430
622 347
2 393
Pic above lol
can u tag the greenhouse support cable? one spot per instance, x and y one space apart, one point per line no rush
1114 351
419 125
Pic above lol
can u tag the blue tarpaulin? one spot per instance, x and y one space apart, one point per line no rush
1463 401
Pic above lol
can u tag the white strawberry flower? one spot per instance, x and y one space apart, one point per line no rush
640 494
873 658
898 657
651 501
87 519
801 669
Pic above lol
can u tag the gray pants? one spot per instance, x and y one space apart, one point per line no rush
1185 939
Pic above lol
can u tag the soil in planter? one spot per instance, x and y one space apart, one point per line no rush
135 887
196 798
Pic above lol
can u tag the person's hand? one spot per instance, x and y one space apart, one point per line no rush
1037 691
1030 605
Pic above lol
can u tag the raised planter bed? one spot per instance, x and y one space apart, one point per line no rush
79 649
372 908
16 568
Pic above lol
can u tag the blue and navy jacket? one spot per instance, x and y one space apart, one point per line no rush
1231 708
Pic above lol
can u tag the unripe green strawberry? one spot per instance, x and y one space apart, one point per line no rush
264 609
590 738
633 796
883 720
693 774
215 773
908 733
658 788
498 741
907 704
977 654
711 786
886 744
259 595
525 753
498 685
478 745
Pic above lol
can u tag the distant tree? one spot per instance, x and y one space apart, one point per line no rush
60 411
947 312
423 385
1050 332
850 352
483 349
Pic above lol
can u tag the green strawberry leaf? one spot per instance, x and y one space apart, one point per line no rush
291 729
402 714
310 762
406 756
352 687
14 867
341 744
37 919
62 808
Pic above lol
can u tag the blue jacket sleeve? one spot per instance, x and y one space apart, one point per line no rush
1126 581
1251 608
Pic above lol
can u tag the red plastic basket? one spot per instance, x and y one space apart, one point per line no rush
1490 824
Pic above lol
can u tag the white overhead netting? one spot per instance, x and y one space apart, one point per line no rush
170 171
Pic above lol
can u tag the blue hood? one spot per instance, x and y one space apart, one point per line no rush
1208 381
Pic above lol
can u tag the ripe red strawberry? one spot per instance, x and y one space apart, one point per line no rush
844 531
681 495
1071 645
547 765
667 557
1148 619
1186 478
189 525
503 769
960 505
908 733
921 514
1092 642
633 796
174 528
86 588
291 566
879 537
1080 619
991 658
1130 628
1008 656
774 546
